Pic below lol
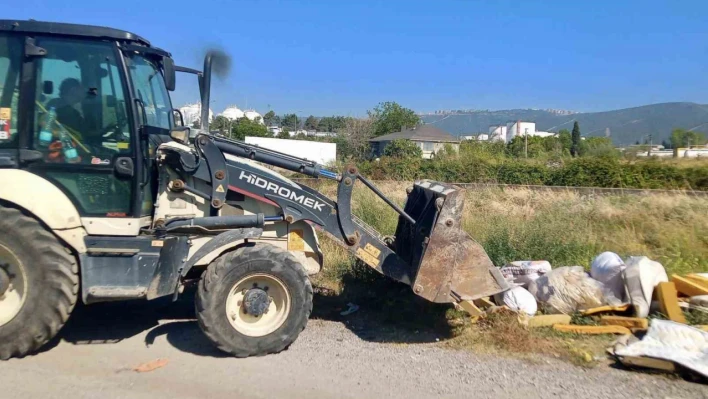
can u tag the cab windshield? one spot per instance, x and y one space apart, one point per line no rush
149 87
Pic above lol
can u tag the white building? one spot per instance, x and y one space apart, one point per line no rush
233 112
497 133
479 137
274 129
192 113
253 115
322 153
521 128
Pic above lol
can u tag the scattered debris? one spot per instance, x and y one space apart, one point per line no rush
668 302
698 279
151 366
688 287
570 328
352 308
606 309
640 277
567 290
674 342
523 272
648 362
518 299
628 322
607 268
700 300
548 320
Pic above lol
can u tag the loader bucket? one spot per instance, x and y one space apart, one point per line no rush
447 264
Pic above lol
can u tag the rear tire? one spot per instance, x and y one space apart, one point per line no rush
45 278
249 272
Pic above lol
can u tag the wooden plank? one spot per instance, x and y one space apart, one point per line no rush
648 362
700 280
668 302
607 308
688 287
629 322
591 329
548 320
469 307
483 303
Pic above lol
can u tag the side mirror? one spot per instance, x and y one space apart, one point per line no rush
168 67
175 113
180 134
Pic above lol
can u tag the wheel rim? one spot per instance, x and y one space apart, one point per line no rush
13 285
250 289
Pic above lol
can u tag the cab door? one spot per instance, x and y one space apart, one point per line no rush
10 66
81 128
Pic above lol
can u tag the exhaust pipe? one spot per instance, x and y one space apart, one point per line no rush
205 86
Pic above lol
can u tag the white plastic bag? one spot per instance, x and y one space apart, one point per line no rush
518 299
607 269
640 277
567 290
523 272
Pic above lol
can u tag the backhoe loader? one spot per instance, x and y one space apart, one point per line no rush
105 195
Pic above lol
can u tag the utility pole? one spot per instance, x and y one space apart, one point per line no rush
650 144
526 143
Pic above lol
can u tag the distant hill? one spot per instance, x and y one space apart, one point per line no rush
626 125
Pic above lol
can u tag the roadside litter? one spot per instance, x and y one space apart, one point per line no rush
624 297
351 309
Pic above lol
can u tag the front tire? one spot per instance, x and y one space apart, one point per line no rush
43 284
254 301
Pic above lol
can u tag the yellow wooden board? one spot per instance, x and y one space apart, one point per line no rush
296 241
700 280
668 302
469 307
591 329
601 309
629 322
688 287
648 362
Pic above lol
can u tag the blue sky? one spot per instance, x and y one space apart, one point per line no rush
342 57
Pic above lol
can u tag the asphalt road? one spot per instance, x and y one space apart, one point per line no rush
102 345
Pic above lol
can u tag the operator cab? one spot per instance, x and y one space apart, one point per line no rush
77 105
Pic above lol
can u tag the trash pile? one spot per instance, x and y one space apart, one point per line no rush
620 295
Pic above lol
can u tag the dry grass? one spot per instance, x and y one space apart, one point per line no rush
501 333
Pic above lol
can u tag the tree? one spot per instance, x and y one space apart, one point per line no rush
220 123
667 144
575 138
389 117
311 123
290 121
402 148
353 140
332 124
566 139
271 119
601 147
243 127
536 147
283 134
684 138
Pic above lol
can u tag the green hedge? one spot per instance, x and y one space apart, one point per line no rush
581 172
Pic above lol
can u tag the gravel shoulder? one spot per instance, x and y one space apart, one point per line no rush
102 344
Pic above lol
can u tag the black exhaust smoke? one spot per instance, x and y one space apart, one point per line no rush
218 62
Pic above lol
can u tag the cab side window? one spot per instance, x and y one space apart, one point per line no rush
80 113
10 64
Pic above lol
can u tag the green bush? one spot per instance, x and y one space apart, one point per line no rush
606 172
